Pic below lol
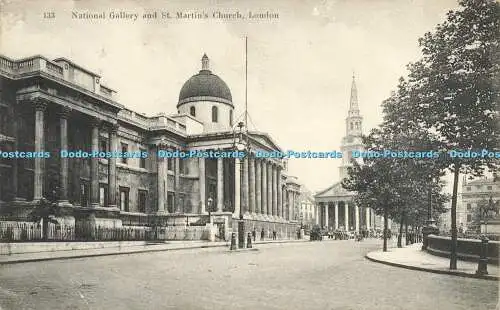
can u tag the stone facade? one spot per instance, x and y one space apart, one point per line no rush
52 105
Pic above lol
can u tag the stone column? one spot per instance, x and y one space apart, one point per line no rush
237 187
251 180
113 147
40 107
201 170
373 218
275 189
279 194
177 185
326 215
367 216
244 187
15 162
258 186
346 217
264 187
336 215
316 214
356 217
220 184
94 165
63 139
269 189
161 167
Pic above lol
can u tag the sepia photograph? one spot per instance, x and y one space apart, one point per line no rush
226 154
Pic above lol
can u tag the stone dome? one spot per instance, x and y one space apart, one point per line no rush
205 86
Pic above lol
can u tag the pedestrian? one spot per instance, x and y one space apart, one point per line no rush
274 234
262 235
254 234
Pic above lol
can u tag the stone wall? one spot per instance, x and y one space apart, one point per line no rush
467 249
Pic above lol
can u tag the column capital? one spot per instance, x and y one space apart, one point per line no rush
113 128
64 112
40 104
95 122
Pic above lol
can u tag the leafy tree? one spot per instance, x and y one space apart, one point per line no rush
454 91
375 183
411 179
45 211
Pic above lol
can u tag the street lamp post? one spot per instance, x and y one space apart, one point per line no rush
210 202
431 227
242 146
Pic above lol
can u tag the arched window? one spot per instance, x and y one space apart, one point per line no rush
214 114
231 118
192 111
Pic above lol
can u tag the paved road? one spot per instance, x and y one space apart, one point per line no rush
316 275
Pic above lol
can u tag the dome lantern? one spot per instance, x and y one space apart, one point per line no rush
205 63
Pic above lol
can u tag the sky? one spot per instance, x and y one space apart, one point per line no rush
300 65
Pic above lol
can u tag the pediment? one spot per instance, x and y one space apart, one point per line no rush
333 191
263 140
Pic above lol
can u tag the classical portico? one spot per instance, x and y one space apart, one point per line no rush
337 211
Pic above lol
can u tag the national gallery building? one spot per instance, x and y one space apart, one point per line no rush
52 105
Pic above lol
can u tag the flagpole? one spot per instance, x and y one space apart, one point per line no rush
246 84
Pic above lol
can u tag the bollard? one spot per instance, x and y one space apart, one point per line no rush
249 241
482 266
233 242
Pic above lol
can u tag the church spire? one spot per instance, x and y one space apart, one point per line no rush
205 63
353 103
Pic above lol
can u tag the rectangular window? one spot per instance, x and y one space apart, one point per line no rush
124 150
142 160
103 145
469 218
143 197
489 188
468 207
468 188
183 167
84 194
124 199
170 202
103 195
3 120
170 164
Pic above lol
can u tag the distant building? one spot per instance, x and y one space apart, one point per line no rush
307 208
472 194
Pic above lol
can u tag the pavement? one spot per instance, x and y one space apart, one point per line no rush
152 247
412 257
332 275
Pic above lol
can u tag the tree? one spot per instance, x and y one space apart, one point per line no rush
377 182
45 211
410 178
454 90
